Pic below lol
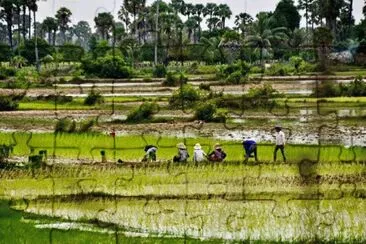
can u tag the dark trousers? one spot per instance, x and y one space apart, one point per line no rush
252 149
282 148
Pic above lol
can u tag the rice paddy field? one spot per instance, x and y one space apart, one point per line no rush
75 196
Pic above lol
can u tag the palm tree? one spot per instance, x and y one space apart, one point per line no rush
124 15
242 20
33 7
199 12
63 19
49 24
213 23
178 6
8 13
223 11
209 10
134 7
262 35
212 52
306 5
189 10
104 23
191 24
18 5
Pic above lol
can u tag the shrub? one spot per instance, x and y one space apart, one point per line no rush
93 98
66 125
205 112
159 71
143 113
173 79
296 61
356 88
205 87
256 70
327 89
8 103
60 99
234 73
6 72
235 78
106 67
27 49
85 126
186 96
280 70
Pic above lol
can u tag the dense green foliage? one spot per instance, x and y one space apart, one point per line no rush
106 67
185 97
356 88
143 113
93 98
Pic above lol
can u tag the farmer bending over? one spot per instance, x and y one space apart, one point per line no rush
250 147
150 153
182 155
199 155
218 155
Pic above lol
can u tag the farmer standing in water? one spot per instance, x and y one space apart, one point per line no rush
280 143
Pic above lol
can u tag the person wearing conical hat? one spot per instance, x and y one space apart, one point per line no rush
198 155
218 154
182 155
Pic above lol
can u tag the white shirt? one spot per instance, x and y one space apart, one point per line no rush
198 155
280 138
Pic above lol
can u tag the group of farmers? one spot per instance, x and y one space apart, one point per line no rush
218 154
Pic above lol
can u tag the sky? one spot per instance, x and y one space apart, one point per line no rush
88 9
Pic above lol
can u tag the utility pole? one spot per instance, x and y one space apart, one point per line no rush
156 34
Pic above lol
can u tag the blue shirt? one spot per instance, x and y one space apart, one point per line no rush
248 143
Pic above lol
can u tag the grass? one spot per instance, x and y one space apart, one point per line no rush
88 146
266 202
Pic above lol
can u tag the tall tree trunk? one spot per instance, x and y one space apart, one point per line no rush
307 15
30 24
24 29
49 36
350 14
10 33
35 42
54 38
19 30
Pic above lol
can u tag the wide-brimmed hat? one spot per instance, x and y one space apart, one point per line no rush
181 146
217 146
197 146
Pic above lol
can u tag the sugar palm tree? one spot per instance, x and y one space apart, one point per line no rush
134 7
63 18
8 12
213 23
242 20
199 11
49 24
262 35
209 10
178 6
223 11
30 4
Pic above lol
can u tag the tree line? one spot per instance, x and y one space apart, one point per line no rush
178 23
